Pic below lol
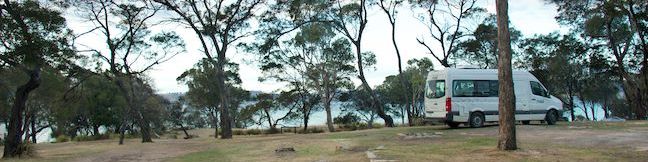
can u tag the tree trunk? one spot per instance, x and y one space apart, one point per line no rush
13 141
605 108
95 130
268 116
389 122
184 129
403 115
571 102
584 108
634 99
306 116
33 129
507 135
329 119
214 116
122 132
593 112
225 122
26 125
401 77
145 129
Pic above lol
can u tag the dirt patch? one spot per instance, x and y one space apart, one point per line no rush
157 151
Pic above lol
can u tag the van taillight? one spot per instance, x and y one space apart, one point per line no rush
448 104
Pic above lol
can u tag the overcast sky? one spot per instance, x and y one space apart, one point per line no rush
529 16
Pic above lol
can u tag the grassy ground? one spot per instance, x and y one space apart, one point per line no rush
564 142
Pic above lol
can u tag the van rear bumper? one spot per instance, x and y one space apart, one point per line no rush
449 117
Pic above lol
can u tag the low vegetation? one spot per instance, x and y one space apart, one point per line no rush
579 141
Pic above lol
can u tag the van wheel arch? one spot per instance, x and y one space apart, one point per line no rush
551 117
476 119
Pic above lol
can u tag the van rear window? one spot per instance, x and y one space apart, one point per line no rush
435 89
475 88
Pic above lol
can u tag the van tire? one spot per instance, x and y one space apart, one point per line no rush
551 117
453 124
476 120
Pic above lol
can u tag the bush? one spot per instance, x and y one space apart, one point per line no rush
253 132
418 121
62 138
239 132
92 138
348 118
28 149
272 131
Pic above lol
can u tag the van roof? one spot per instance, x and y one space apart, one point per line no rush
458 71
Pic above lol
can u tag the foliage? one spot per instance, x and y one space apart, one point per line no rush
62 138
267 105
481 47
446 21
310 130
619 28
348 118
202 90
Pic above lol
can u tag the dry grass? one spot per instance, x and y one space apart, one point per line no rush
564 142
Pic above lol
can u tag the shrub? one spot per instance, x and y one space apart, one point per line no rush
311 130
253 132
92 138
272 131
62 138
315 130
348 118
239 132
126 136
28 149
418 121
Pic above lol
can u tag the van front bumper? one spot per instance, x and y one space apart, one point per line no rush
447 118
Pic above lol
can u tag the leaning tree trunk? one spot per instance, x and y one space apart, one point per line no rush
122 131
507 139
401 76
33 128
13 142
380 110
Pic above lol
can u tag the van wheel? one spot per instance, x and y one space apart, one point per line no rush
476 119
551 117
526 122
453 124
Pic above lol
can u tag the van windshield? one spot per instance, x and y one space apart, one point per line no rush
435 89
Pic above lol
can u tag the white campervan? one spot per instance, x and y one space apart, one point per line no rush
457 96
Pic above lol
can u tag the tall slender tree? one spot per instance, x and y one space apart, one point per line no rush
32 36
218 26
132 49
350 19
507 136
389 8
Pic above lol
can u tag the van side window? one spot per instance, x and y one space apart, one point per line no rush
435 89
475 88
537 89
